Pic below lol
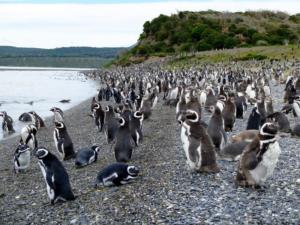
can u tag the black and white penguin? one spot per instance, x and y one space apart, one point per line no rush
98 115
216 130
148 103
211 99
87 156
116 174
241 106
7 123
63 142
25 117
232 151
228 114
28 136
281 121
58 114
55 175
37 120
197 144
259 158
111 124
261 107
123 146
136 127
21 158
254 120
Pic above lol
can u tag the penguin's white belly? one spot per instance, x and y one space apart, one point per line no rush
174 93
252 94
267 165
24 160
203 98
92 159
220 105
44 172
296 108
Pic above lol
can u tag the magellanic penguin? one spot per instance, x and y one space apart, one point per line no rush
197 144
148 103
37 120
246 135
63 142
261 107
55 175
296 130
228 114
28 136
259 158
58 114
111 124
116 174
281 121
87 156
21 158
25 117
241 106
254 120
136 127
233 151
98 115
211 99
216 130
123 146
7 123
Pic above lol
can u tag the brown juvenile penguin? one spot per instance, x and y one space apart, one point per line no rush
246 135
229 113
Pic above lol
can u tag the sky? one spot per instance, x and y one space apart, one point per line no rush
102 23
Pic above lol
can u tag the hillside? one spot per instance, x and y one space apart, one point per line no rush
210 30
58 57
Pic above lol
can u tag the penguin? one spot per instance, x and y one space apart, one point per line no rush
241 106
197 144
86 156
7 123
216 130
281 121
58 114
296 131
111 124
262 111
55 175
221 102
147 105
21 158
232 151
25 117
254 120
28 136
37 120
123 146
98 115
63 142
228 114
138 102
247 136
135 125
211 99
116 174
259 158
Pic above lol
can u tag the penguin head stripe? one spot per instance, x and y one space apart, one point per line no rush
41 153
59 125
132 170
122 121
192 116
96 148
23 148
106 108
96 106
138 115
268 129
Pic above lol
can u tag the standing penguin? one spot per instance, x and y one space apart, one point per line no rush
228 114
58 114
21 158
259 158
216 130
254 120
116 174
135 125
281 120
111 124
55 175
7 123
197 144
261 107
87 156
63 142
28 136
241 106
98 115
123 146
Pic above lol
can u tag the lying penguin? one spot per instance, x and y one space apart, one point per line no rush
116 174
87 156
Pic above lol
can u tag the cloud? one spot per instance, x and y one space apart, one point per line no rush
55 25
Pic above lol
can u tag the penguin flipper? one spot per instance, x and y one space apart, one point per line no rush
110 179
250 161
60 145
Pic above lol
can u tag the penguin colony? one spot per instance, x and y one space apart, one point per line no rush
125 100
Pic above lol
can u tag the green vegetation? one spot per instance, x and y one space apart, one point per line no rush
82 57
211 30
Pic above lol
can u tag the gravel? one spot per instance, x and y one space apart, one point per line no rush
166 192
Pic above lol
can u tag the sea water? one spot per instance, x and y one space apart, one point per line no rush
39 89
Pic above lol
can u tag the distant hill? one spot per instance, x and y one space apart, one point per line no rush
210 30
58 57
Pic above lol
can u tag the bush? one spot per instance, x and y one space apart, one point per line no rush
203 46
